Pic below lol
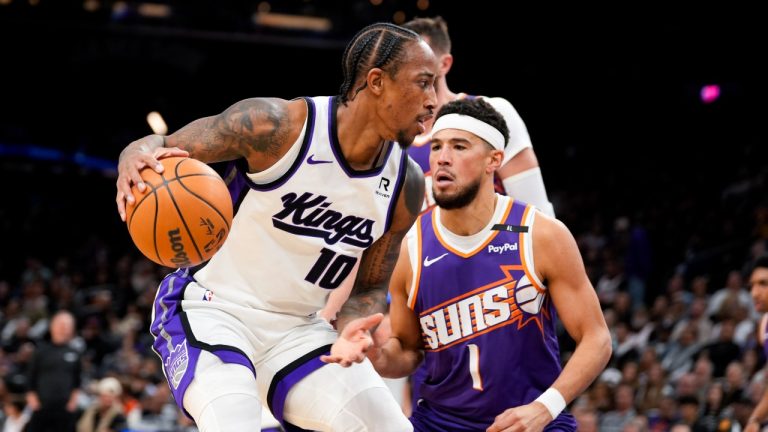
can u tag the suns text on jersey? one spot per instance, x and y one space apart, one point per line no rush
470 316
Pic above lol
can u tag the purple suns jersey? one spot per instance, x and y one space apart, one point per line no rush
487 322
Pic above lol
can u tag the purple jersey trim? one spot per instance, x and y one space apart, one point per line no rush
334 139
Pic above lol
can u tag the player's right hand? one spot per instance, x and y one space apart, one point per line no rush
526 418
132 162
354 341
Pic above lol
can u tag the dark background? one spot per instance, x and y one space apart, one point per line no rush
610 99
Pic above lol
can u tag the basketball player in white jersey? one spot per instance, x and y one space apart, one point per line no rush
319 185
479 284
519 173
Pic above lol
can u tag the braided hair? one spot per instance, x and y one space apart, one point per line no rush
375 46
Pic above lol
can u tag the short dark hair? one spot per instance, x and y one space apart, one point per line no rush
479 109
375 46
760 262
436 29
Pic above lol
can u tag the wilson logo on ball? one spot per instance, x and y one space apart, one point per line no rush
180 259
183 216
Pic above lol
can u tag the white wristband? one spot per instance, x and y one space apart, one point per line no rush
553 400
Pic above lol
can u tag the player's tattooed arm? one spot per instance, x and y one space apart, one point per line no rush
260 130
369 293
255 128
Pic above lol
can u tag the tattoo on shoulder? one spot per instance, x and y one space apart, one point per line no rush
251 125
255 125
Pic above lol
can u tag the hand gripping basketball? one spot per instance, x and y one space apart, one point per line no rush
183 215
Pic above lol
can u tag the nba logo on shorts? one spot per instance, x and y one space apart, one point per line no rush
208 296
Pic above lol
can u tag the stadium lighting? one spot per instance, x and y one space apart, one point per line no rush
157 123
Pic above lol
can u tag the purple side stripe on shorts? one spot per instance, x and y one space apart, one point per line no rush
288 381
178 356
177 348
235 357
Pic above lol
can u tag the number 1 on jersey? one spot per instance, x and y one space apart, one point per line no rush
474 367
333 269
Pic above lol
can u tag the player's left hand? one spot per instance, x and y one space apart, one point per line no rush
354 341
532 417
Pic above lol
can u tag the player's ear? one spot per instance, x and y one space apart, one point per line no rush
375 80
446 61
495 159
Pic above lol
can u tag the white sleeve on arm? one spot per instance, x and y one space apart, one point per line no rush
528 186
518 133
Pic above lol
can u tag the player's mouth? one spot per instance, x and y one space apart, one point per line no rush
422 122
442 178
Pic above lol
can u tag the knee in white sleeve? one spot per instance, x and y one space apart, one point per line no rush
223 396
373 410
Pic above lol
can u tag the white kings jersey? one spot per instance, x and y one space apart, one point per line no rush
301 225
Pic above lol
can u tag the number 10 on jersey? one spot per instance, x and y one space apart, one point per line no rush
330 269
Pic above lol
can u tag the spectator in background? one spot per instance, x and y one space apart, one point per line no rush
689 409
758 283
663 417
723 351
54 379
616 419
17 414
653 387
586 419
106 413
724 301
697 318
679 357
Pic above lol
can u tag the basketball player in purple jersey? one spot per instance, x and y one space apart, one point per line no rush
319 184
477 289
758 283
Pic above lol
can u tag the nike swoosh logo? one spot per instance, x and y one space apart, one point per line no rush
312 161
428 262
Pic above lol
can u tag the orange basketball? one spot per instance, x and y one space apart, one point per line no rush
184 214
